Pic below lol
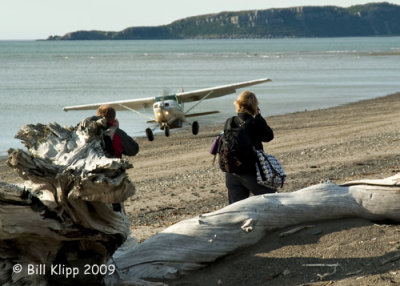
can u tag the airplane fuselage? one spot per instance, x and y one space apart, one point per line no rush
168 112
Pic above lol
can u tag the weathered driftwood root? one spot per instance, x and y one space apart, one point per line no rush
62 218
191 244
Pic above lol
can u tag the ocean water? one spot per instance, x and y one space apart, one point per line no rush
38 78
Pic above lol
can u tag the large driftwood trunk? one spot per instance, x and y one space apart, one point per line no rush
62 217
193 243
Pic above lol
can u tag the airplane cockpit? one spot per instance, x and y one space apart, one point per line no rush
168 102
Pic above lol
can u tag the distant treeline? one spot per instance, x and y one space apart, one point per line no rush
374 19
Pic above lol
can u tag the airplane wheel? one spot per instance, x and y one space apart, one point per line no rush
166 131
149 134
195 128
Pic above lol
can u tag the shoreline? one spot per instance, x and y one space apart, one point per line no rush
221 124
3 156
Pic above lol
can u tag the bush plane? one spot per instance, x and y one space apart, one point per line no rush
169 109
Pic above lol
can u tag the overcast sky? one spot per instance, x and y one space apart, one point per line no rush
38 19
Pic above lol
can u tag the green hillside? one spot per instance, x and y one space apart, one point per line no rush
374 19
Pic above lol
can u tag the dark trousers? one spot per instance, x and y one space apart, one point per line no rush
240 185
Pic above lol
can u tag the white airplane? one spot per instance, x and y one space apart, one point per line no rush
168 110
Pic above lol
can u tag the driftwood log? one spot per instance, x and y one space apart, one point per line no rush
193 243
60 226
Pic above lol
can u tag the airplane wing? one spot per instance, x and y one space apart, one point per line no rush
216 91
195 95
118 105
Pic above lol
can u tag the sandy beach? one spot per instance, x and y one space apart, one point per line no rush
175 179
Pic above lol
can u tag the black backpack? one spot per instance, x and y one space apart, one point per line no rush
129 146
235 147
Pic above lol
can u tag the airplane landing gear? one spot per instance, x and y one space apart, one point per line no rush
195 128
166 131
149 134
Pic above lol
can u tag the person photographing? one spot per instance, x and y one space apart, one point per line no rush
242 134
117 142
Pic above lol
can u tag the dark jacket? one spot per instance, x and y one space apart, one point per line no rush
119 143
129 146
257 128
258 131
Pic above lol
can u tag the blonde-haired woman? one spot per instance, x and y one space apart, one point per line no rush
243 181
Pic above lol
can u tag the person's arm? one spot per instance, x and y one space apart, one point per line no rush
263 131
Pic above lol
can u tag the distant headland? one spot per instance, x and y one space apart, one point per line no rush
374 19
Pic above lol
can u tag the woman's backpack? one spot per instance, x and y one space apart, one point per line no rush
235 147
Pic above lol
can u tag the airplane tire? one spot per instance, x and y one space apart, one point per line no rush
195 128
166 131
149 134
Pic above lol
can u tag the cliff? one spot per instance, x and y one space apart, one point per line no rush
374 19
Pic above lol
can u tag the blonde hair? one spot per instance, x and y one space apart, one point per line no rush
106 111
246 103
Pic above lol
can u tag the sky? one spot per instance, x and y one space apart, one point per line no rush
38 19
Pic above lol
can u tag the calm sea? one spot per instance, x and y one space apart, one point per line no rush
38 78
